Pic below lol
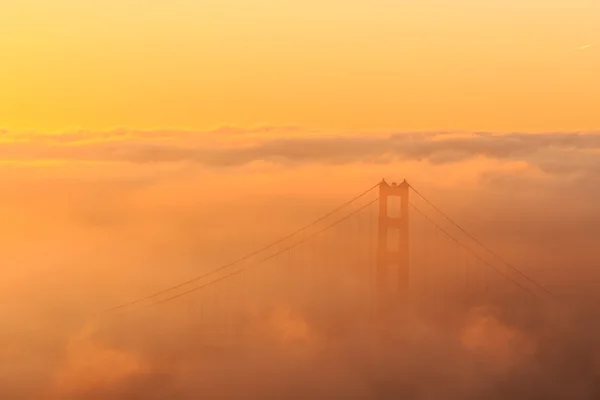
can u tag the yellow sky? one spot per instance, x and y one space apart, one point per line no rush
329 64
93 218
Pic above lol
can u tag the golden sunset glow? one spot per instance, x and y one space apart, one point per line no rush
467 65
195 196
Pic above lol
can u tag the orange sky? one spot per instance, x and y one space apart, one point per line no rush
330 64
143 141
301 91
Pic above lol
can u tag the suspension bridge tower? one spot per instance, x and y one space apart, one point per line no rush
393 244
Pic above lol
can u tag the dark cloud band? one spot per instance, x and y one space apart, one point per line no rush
553 152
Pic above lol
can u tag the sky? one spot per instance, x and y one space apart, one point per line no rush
145 142
344 65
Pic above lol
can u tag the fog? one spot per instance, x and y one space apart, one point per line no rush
82 236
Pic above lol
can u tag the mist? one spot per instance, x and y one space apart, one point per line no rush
77 240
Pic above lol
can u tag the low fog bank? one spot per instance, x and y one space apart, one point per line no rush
485 353
73 247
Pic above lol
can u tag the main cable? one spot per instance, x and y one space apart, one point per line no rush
259 262
241 259
475 254
250 255
481 244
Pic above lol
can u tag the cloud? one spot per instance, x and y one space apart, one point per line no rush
486 355
71 247
89 365
552 152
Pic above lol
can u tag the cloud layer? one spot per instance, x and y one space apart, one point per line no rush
556 153
142 210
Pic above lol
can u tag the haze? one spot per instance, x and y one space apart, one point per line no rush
145 143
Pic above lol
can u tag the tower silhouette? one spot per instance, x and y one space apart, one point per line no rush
396 259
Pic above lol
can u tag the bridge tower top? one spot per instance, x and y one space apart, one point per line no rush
396 227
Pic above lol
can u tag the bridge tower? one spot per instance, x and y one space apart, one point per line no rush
392 244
